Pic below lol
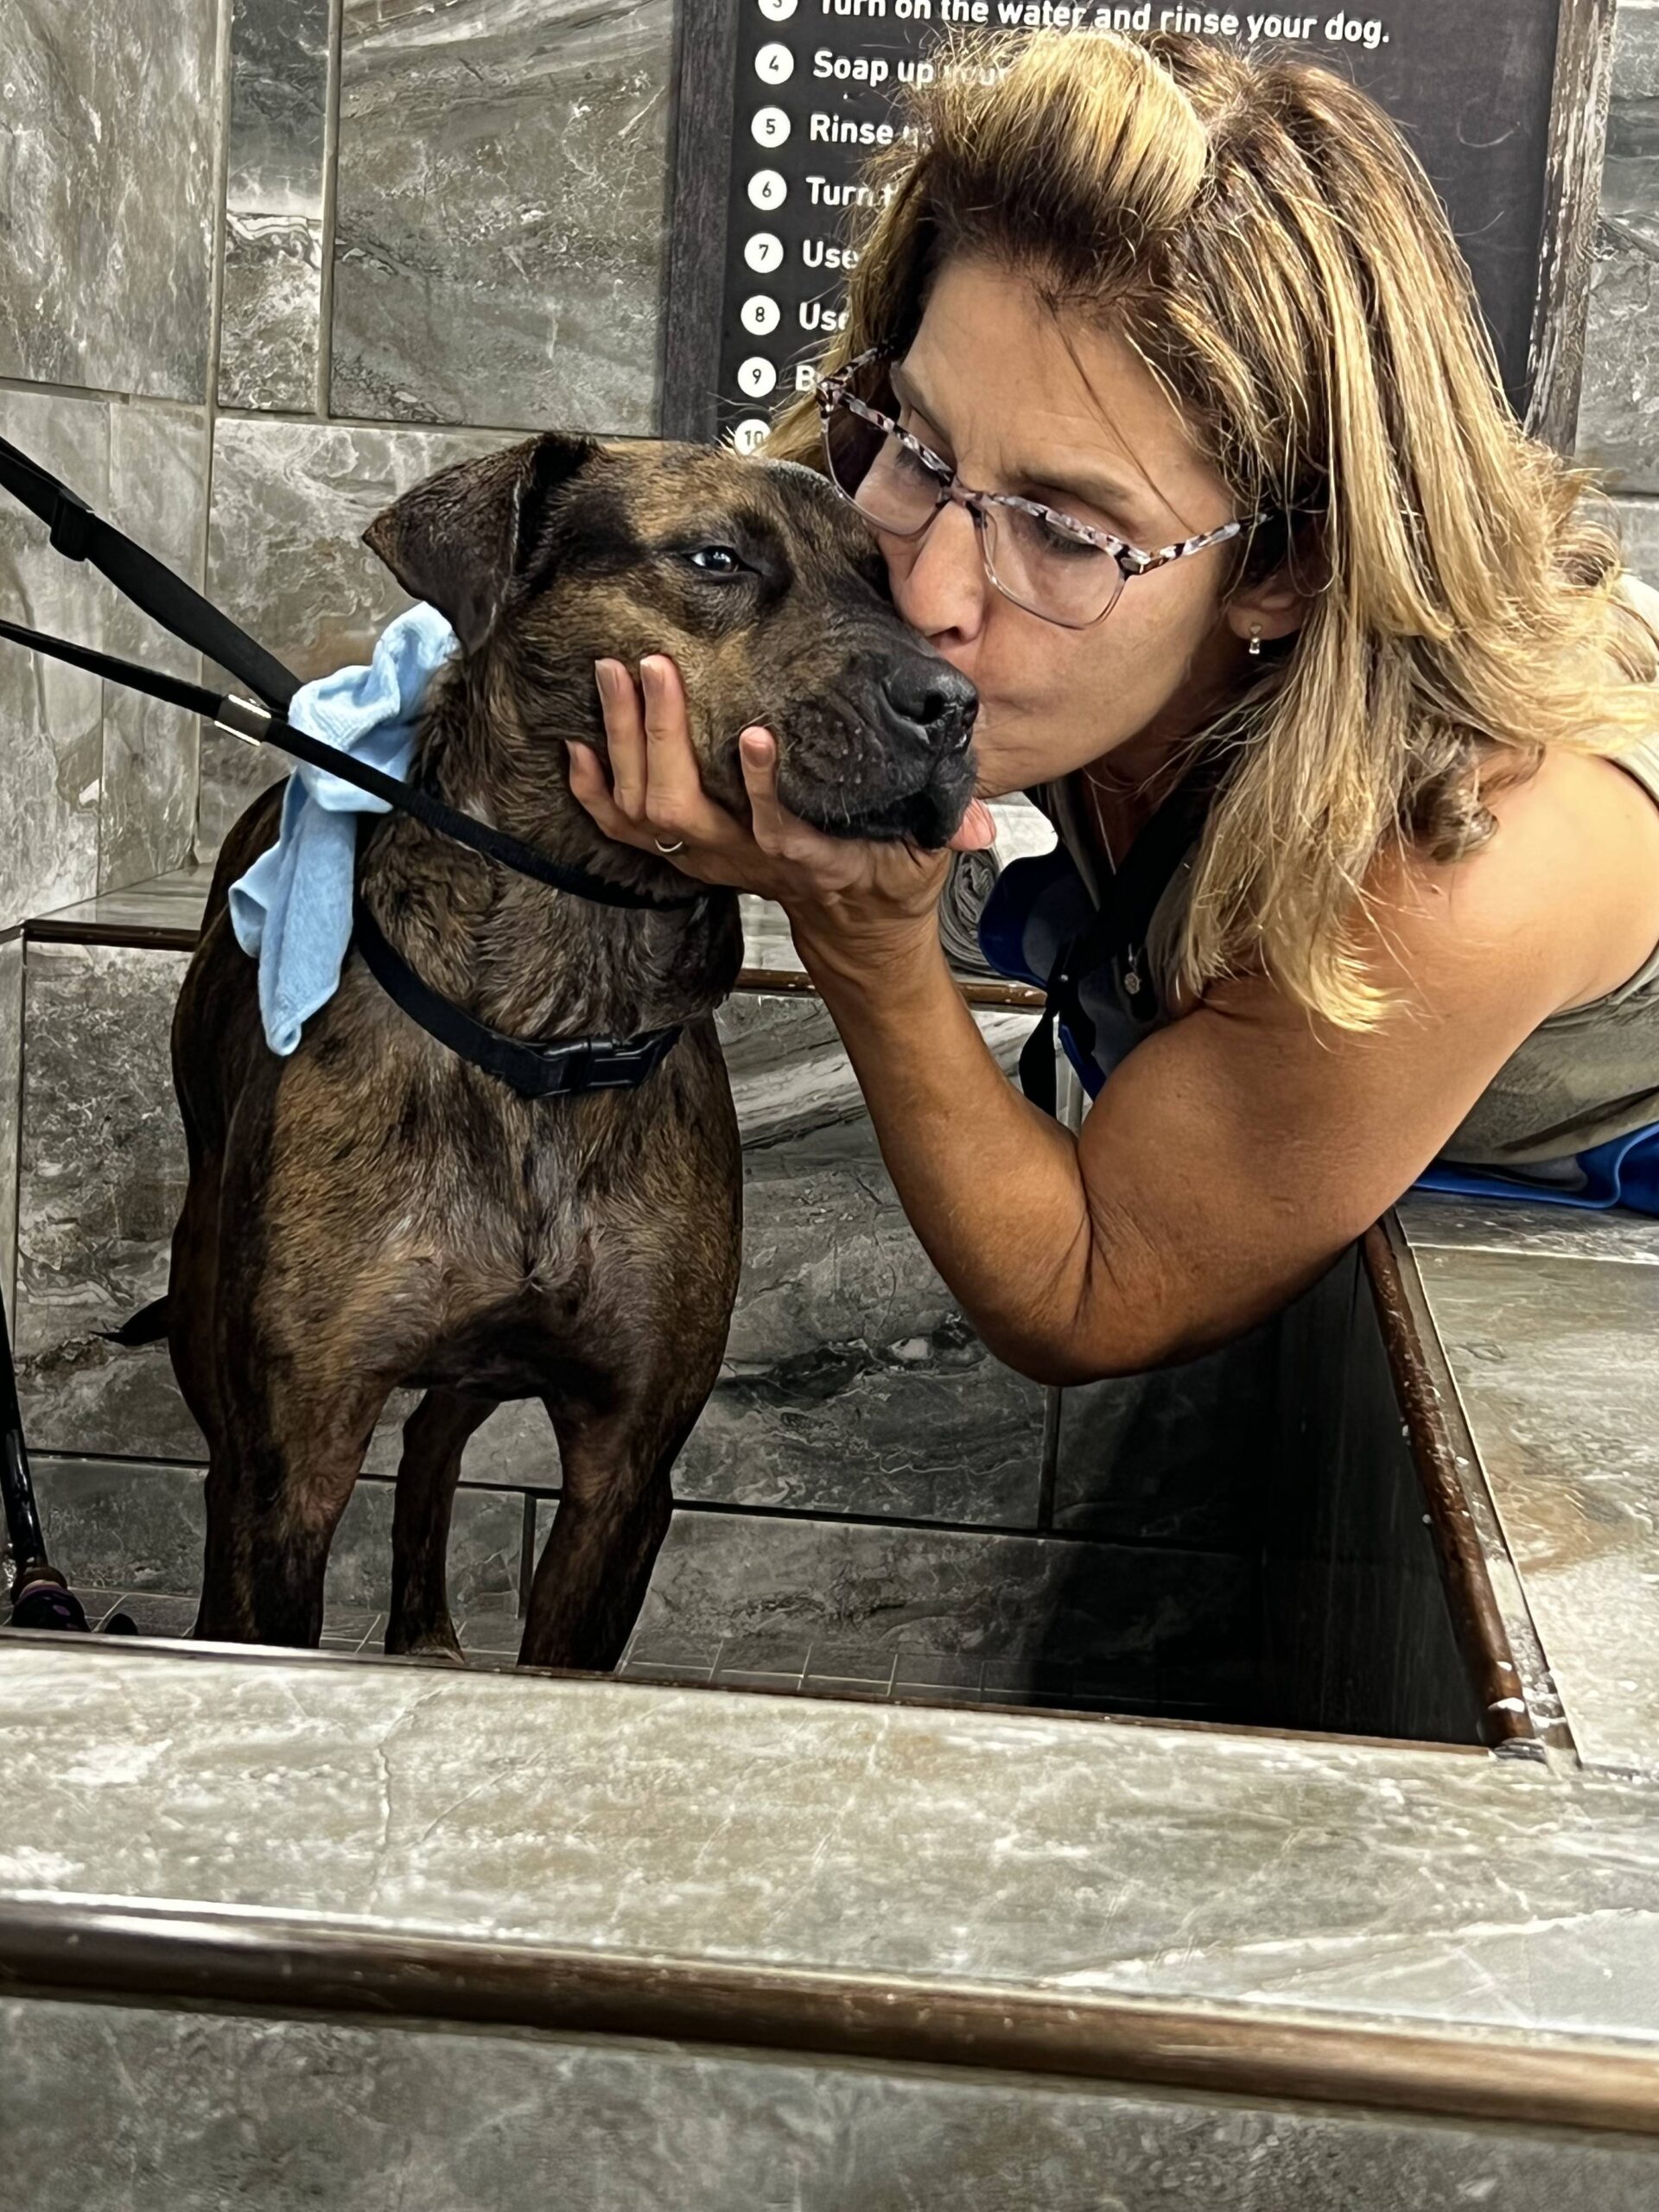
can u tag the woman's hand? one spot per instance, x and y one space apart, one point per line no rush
849 900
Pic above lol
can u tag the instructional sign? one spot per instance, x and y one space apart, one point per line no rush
813 88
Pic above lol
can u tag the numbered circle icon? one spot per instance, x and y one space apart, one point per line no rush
770 126
767 190
750 432
764 253
757 376
758 315
774 64
777 11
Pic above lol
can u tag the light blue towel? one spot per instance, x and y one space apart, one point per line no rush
292 911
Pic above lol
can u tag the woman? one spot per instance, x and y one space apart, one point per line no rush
1178 299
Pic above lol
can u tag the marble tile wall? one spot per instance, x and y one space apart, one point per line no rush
108 139
436 2120
102 1174
51 716
271 314
99 784
1638 524
961 1614
1618 412
502 185
291 502
11 1080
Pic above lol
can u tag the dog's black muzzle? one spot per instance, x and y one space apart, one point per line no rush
898 762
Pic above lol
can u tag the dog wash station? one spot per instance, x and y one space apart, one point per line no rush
1239 1787
1234 1787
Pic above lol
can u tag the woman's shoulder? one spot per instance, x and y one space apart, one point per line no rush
1568 882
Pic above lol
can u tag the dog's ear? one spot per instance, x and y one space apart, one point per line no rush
459 539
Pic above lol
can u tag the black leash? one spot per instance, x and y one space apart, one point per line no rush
534 1069
80 535
257 726
1117 935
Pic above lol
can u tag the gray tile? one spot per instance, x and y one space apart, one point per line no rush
154 1613
694 1655
11 1076
1619 407
930 1427
291 502
51 715
1067 1860
1638 527
269 330
1436 1217
500 219
1028 1683
1619 413
1565 1420
494 1627
270 314
930 1593
110 140
352 1628
761 1662
834 1665
274 151
1175 1456
648 1670
138 1526
946 1678
850 1381
385 2117
99 781
102 1178
852 1384
124 1527
486 1538
174 900
158 495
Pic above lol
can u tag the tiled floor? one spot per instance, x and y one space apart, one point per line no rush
489 1636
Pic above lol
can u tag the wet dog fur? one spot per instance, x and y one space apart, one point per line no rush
372 1213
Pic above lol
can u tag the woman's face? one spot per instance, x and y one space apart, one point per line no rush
1018 401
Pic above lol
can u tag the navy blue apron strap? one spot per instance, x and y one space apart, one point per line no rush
1115 936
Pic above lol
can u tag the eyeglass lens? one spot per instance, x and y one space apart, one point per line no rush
1043 568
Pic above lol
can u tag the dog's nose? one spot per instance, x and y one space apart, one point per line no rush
933 701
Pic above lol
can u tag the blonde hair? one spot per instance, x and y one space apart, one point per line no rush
1258 231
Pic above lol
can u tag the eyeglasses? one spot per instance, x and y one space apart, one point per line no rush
1049 563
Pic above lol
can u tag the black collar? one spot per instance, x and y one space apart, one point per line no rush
559 1069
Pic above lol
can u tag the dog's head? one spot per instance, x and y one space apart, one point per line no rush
762 584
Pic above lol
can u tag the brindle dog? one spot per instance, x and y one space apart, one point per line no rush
374 1212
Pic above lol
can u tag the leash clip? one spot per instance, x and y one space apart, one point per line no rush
242 718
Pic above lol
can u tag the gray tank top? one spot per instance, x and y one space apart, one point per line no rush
1582 1077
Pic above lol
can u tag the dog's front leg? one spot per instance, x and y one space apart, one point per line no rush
293 1445
615 1509
434 1436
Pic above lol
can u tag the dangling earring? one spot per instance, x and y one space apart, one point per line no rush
1256 641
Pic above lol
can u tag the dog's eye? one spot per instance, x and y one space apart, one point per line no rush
715 560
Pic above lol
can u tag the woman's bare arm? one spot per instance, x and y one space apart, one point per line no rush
1235 1153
